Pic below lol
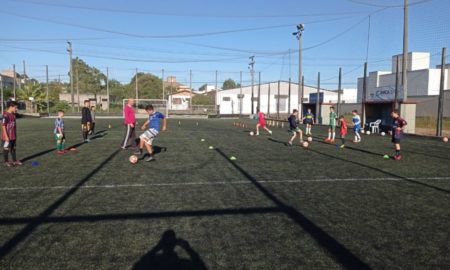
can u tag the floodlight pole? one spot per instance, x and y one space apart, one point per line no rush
15 81
299 34
107 87
163 85
441 95
240 94
339 92
2 94
318 99
251 66
136 84
46 79
72 98
405 52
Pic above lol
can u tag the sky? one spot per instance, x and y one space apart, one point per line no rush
199 37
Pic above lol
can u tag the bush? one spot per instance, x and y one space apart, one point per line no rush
60 106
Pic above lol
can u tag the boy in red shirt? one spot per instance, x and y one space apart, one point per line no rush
262 123
343 130
9 135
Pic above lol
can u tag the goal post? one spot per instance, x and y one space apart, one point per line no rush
159 105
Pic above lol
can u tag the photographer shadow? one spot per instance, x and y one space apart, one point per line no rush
164 256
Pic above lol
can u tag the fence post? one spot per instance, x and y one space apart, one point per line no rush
278 101
339 92
268 101
441 96
318 98
289 96
363 98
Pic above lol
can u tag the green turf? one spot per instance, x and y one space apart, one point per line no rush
275 207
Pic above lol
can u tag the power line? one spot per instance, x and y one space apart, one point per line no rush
387 6
207 15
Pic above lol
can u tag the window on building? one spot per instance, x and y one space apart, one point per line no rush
226 99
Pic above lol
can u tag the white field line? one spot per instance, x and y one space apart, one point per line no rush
243 182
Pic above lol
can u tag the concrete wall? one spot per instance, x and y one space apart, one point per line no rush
428 105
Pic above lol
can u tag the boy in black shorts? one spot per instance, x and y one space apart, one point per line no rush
397 132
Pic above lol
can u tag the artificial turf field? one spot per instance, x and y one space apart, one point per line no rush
275 207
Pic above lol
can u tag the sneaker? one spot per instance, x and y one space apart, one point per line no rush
270 132
289 143
60 152
88 140
257 134
331 141
17 163
8 164
137 152
327 139
398 157
150 158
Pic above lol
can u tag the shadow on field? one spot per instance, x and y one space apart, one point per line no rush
164 256
382 171
53 149
34 223
340 253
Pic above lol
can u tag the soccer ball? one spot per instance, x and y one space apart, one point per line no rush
310 139
133 159
383 134
252 133
305 144
368 133
362 131
445 139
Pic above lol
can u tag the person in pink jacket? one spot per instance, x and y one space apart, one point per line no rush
130 123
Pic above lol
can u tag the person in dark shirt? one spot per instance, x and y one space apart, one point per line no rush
294 128
397 132
86 120
92 131
9 135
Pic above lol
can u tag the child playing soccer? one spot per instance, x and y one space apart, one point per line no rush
92 131
9 135
86 120
343 130
332 126
262 123
154 127
59 133
293 123
309 121
397 132
356 119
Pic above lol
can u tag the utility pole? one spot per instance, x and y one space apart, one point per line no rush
318 99
2 94
190 88
217 90
78 89
441 95
46 79
302 92
363 98
136 85
241 98
259 91
289 96
107 87
299 34
268 102
278 101
163 84
15 81
397 70
72 98
339 92
251 66
405 51
24 72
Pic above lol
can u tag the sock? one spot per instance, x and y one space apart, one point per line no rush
334 135
397 152
329 135
13 154
5 155
343 140
63 145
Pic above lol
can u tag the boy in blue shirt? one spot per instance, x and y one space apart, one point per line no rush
356 119
154 127
59 133
309 121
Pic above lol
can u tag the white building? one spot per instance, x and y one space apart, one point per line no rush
422 80
101 100
274 97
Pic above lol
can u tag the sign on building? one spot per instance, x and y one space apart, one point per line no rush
384 94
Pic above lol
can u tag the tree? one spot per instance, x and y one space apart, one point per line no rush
149 86
90 79
230 84
206 99
33 95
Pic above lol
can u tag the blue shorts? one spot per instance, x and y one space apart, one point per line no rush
357 128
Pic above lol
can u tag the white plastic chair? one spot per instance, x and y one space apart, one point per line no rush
375 126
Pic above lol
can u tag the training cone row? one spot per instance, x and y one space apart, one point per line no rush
273 123
240 125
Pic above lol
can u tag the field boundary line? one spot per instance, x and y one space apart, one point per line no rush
240 182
